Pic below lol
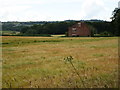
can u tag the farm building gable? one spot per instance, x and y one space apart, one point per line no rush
79 29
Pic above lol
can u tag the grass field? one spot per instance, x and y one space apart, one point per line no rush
9 32
40 62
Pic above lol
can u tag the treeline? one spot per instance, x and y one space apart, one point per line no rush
48 28
99 27
102 28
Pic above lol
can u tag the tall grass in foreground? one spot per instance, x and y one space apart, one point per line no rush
38 62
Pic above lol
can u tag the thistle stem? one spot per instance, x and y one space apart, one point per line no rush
77 73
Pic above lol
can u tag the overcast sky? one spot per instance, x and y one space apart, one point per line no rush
56 10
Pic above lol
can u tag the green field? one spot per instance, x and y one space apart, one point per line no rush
9 32
40 62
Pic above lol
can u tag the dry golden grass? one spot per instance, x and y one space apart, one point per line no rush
39 64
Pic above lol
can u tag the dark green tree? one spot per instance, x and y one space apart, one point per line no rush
116 21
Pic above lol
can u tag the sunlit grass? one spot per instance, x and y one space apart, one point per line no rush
38 62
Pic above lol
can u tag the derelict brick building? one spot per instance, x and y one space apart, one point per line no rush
79 29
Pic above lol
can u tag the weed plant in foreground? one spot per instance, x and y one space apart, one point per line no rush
69 59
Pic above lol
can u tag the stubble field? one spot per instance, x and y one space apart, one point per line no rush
40 62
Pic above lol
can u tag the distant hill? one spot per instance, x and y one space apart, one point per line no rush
17 26
92 20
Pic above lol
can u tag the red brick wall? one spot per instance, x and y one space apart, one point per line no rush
83 30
